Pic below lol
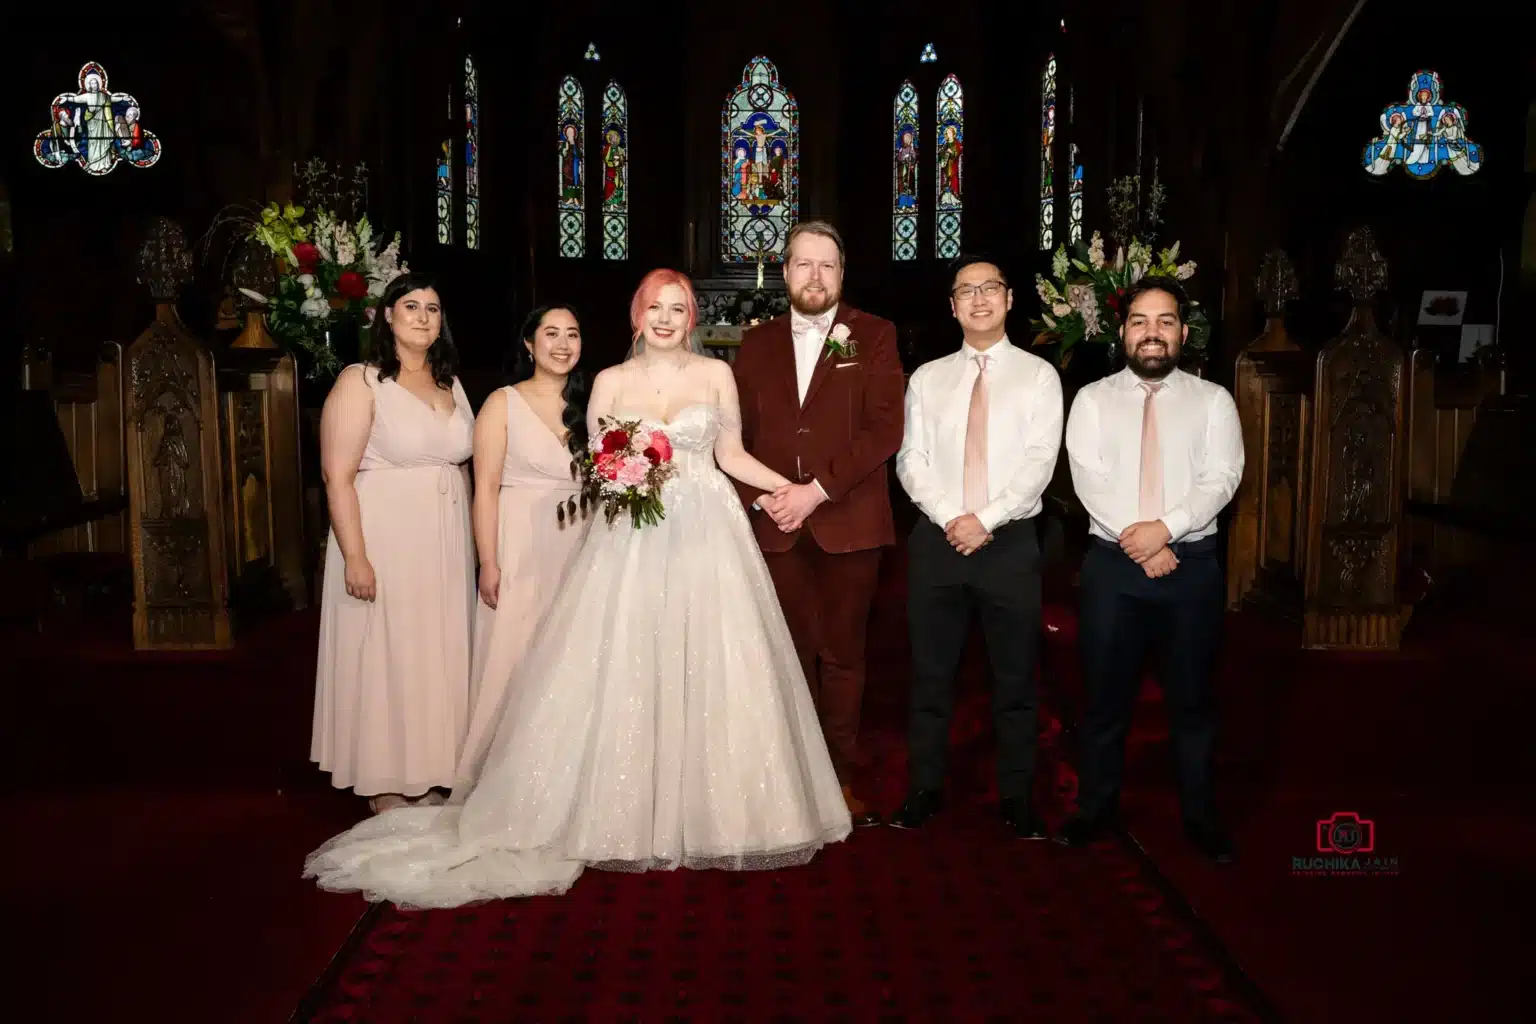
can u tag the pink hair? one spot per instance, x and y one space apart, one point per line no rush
651 286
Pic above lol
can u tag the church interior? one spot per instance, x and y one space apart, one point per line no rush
1354 183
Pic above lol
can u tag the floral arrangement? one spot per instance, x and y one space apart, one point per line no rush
1084 300
325 267
623 469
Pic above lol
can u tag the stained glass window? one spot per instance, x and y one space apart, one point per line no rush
760 167
928 56
948 168
1075 197
445 193
95 128
573 171
904 204
471 155
1047 161
615 173
1424 135
591 53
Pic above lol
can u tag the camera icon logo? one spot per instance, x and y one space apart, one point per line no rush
1346 832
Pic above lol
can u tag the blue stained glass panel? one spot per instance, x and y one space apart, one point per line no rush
1423 136
904 202
572 212
1047 154
471 155
615 173
949 168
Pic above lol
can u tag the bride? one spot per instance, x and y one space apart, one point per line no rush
660 718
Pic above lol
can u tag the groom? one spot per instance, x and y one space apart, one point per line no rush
821 402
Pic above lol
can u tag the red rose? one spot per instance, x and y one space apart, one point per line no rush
607 466
307 255
653 456
352 285
661 446
615 441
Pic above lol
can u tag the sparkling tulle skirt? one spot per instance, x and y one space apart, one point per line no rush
661 719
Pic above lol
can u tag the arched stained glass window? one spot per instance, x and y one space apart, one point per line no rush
1047 147
760 167
471 155
1423 135
615 173
573 171
949 170
904 202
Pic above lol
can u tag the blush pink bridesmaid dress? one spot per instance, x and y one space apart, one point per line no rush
392 683
534 548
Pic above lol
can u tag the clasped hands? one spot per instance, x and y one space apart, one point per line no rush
790 504
966 534
1147 545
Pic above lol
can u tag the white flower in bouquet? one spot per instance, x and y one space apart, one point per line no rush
315 308
346 247
1061 309
1096 251
1185 271
1059 263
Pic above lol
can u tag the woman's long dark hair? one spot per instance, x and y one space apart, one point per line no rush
574 418
442 357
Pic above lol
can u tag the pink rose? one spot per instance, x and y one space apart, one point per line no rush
641 440
663 446
633 471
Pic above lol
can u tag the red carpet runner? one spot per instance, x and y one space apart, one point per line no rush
958 921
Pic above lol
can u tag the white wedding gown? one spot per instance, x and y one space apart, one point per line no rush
660 719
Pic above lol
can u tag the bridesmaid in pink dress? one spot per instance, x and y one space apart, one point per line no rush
392 684
525 438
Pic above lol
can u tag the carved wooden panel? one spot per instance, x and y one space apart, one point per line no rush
1356 506
264 526
175 508
1282 511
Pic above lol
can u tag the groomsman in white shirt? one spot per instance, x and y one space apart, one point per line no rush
983 430
1155 455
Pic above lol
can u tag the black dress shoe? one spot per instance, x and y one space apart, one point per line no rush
1211 840
1082 830
918 808
1021 818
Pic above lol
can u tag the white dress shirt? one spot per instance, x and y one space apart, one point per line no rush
810 334
1201 442
1023 434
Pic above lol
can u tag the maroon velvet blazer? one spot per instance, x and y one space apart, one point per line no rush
848 428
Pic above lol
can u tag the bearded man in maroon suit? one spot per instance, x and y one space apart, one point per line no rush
821 399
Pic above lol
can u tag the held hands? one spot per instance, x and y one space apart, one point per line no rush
966 534
490 584
360 580
1143 540
790 504
1160 564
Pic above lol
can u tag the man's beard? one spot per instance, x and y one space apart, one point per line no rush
813 304
1152 367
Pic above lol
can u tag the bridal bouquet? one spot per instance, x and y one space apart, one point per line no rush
623 469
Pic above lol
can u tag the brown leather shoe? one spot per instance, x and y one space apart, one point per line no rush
861 813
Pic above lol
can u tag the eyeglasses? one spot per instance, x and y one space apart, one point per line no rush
987 289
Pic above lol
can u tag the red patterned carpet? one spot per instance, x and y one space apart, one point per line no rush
164 806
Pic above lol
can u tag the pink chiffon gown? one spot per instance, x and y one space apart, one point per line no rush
392 683
534 548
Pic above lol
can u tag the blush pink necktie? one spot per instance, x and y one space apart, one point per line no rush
1150 505
976 493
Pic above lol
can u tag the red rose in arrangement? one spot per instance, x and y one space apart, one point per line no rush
615 441
352 285
307 255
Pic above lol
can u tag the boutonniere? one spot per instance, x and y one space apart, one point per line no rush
840 344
